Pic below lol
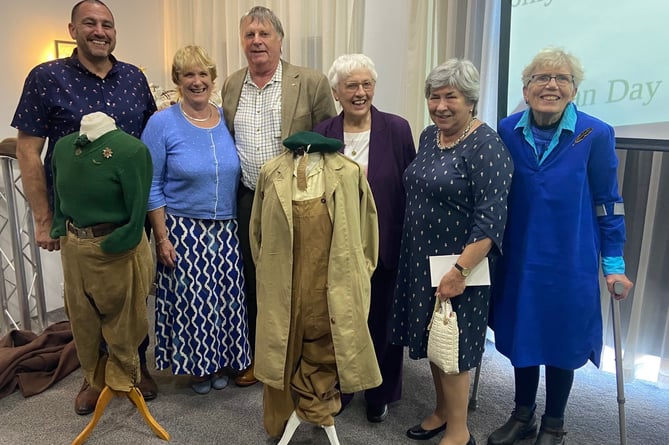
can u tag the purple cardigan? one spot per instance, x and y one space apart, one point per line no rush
391 150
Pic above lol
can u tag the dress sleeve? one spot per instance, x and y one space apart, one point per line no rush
491 169
603 182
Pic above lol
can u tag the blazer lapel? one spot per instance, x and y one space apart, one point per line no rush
290 90
333 164
377 142
233 93
283 184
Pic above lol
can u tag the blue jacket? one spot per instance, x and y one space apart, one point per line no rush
546 297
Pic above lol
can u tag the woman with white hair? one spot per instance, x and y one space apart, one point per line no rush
382 143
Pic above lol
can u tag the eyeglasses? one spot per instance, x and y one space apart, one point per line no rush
562 80
352 87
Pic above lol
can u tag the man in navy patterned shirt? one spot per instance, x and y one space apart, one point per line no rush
56 95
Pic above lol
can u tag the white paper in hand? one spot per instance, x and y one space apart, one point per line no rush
440 264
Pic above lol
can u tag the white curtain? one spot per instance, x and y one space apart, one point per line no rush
644 184
316 31
443 29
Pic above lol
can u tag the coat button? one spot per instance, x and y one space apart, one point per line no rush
323 200
332 320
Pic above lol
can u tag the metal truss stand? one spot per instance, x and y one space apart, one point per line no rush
22 298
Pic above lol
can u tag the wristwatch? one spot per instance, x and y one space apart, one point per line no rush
463 270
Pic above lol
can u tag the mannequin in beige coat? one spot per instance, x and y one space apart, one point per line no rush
352 260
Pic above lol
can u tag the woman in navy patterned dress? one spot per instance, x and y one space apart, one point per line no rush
456 204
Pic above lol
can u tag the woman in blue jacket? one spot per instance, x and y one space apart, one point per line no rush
564 212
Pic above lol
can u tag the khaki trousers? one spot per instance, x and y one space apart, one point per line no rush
105 297
311 370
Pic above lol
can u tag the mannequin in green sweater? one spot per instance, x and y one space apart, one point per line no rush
102 177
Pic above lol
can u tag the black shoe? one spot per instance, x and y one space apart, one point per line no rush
551 432
417 432
551 437
521 425
377 413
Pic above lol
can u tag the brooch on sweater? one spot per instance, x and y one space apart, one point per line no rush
80 142
582 136
107 153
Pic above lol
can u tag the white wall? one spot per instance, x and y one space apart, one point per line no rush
29 28
385 41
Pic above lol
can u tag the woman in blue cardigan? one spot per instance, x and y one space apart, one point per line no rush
201 324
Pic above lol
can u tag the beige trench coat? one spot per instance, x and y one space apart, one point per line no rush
353 256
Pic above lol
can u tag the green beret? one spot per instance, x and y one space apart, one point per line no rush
311 142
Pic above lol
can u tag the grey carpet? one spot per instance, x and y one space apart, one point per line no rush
234 415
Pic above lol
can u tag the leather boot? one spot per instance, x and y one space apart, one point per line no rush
521 425
86 399
551 432
246 378
147 385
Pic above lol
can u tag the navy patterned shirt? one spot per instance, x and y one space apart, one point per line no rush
57 94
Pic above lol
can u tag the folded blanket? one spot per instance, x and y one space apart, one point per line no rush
35 362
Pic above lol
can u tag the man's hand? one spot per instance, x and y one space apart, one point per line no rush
43 239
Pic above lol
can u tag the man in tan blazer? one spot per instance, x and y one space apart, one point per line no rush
264 104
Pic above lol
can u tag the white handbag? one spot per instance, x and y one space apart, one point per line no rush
442 341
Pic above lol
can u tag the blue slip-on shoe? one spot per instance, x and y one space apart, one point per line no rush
201 386
219 381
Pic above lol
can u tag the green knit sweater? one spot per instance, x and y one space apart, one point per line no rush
104 181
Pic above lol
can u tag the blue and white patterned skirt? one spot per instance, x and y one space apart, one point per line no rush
201 321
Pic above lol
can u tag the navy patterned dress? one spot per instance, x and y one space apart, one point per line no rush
454 197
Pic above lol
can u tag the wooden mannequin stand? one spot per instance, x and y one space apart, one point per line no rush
136 398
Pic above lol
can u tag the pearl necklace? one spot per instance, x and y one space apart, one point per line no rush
196 119
457 141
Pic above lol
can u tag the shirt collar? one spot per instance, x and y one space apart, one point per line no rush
568 121
276 77
74 61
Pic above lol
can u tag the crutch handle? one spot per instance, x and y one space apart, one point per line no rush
618 288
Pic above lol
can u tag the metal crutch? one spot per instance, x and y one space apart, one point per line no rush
618 288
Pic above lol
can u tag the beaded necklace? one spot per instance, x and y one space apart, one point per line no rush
457 141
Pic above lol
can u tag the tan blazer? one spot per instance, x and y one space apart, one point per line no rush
353 257
306 98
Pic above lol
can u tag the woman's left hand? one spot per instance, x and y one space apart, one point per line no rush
451 285
614 278
166 254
